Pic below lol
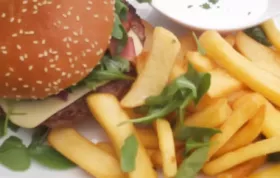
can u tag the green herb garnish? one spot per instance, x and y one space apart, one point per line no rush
213 1
200 49
14 154
258 34
121 9
129 153
176 96
205 6
193 164
144 1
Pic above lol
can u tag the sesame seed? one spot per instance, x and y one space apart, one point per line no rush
88 50
43 41
18 47
46 69
52 66
39 82
88 8
30 68
47 89
19 20
95 15
3 15
12 19
35 42
24 10
6 84
58 6
19 79
86 40
69 13
64 15
90 2
24 2
63 73
66 28
5 52
14 89
68 53
25 86
78 18
11 69
75 34
21 58
14 35
75 41
21 31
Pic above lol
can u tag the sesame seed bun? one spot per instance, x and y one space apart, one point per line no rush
47 46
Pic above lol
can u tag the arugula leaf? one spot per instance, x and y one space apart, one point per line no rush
117 30
121 9
129 153
192 145
47 156
200 49
193 164
183 133
14 154
108 70
176 96
258 34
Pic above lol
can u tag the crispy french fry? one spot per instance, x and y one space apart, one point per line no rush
239 117
262 56
238 66
156 72
99 105
85 154
200 63
232 159
141 61
272 32
271 125
245 135
212 116
107 147
149 30
244 169
176 72
231 39
270 172
247 97
222 84
233 97
148 137
203 103
166 147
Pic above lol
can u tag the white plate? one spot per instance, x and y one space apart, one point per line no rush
91 130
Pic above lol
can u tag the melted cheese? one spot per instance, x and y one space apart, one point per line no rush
37 112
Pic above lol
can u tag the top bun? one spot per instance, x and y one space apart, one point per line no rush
49 45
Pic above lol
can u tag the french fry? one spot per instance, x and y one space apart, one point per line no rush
271 125
166 147
238 66
148 137
99 105
262 56
270 172
200 63
239 117
156 72
234 158
149 30
245 135
231 39
85 154
176 72
233 97
222 84
141 61
107 147
272 32
244 169
212 116
203 103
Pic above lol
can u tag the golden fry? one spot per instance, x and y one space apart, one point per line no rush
272 32
141 61
107 147
149 30
270 172
232 159
238 66
148 137
231 39
212 116
99 105
271 126
158 67
84 153
233 97
222 84
244 169
166 147
200 63
262 56
246 134
239 117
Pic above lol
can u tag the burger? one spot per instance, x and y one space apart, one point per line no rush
54 53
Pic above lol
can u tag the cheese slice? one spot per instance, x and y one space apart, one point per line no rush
37 112
137 42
